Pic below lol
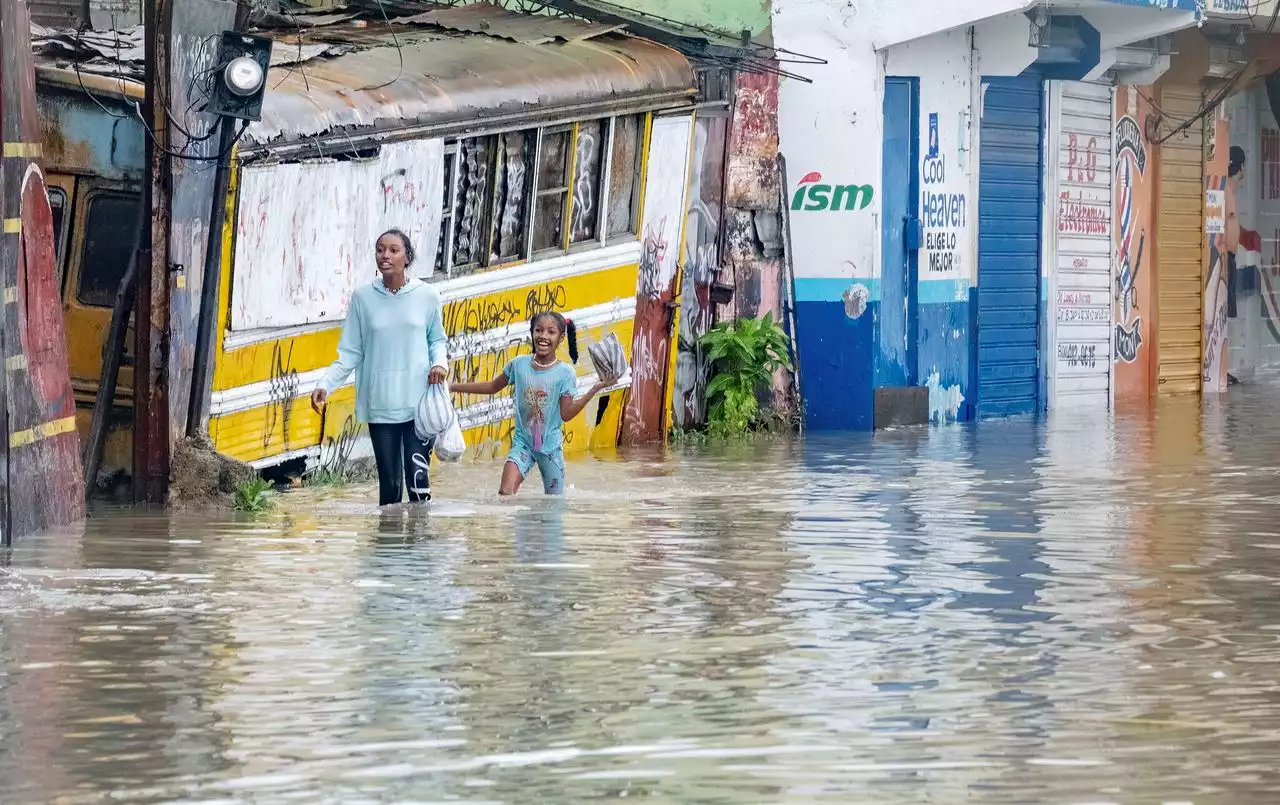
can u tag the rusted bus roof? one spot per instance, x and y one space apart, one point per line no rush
353 75
450 78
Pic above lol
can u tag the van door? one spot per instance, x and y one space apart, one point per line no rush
106 219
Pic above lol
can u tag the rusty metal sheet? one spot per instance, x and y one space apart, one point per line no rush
42 482
526 29
78 136
446 79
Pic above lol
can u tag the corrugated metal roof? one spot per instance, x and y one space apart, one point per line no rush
437 79
469 66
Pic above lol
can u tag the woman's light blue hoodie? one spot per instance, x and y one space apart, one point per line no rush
391 341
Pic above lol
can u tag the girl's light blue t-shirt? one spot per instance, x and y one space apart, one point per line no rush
537 393
390 341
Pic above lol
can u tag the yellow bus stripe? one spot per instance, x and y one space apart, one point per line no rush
45 431
24 150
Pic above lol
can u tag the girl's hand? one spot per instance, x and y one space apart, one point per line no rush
319 398
438 375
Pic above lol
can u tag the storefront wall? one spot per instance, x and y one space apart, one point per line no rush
1134 245
1079 264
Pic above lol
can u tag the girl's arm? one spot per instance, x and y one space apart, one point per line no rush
569 407
488 387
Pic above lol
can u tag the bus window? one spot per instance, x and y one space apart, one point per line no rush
108 241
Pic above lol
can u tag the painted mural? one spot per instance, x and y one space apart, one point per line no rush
1222 226
701 261
664 191
1135 193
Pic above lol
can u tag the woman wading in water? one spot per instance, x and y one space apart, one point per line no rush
394 342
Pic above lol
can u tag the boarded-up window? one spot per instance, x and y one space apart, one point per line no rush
108 241
587 165
553 187
511 195
624 184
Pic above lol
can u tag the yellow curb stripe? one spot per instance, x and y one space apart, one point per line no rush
13 226
23 150
16 363
48 430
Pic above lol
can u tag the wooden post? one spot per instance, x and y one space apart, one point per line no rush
150 398
109 378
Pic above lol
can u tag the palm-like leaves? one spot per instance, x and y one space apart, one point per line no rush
745 354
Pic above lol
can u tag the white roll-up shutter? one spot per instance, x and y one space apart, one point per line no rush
1079 259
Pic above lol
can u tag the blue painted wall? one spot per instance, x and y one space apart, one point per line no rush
896 335
835 326
944 315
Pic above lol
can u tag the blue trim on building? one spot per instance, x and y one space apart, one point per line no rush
1169 5
831 289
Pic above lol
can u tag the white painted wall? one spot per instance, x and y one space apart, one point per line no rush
833 127
945 66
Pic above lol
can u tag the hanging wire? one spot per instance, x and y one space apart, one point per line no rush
399 50
1220 95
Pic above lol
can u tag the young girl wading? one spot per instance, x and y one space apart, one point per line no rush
394 341
544 397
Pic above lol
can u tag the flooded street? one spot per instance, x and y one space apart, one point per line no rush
1070 611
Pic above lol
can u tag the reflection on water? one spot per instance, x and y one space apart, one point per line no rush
1075 610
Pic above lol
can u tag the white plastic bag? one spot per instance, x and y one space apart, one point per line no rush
450 445
435 413
609 358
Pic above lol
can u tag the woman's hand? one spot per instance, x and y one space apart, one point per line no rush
438 375
319 398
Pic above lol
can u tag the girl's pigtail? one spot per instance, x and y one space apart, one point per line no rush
571 332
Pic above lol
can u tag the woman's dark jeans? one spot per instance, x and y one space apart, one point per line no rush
402 458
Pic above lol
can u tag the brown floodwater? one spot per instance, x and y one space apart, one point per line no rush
1082 609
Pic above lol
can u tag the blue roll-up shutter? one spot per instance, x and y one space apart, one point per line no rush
1010 200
